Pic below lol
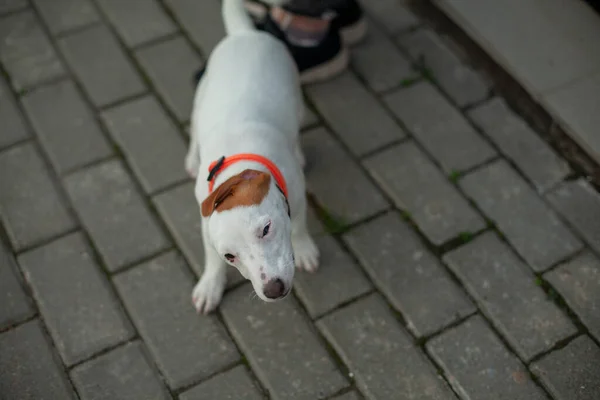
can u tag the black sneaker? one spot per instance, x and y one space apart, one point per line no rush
316 62
349 19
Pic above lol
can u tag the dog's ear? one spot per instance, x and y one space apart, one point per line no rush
244 189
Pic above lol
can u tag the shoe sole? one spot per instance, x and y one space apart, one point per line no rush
327 70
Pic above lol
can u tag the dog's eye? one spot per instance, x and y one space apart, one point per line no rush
266 230
230 257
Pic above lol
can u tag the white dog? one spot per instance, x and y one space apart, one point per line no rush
244 131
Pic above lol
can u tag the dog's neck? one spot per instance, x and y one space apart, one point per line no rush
217 166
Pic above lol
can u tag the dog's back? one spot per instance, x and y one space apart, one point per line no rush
249 75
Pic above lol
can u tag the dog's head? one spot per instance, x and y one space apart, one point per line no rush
250 227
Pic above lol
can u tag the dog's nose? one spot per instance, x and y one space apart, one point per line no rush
274 289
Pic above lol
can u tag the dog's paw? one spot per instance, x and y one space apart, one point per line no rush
208 292
306 253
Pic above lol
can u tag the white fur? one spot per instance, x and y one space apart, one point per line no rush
249 101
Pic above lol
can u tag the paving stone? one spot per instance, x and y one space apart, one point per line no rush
348 396
310 118
506 292
27 359
472 350
235 384
530 153
137 22
64 271
579 203
354 114
391 14
417 186
571 373
181 213
185 346
379 62
65 15
14 128
15 304
464 85
26 52
66 126
12 5
201 20
410 276
440 128
578 281
101 65
171 66
150 141
528 223
327 163
121 374
380 354
337 281
30 205
114 214
281 347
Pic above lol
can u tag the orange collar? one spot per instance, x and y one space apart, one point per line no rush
217 166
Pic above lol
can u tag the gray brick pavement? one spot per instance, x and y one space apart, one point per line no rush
386 316
65 15
101 66
578 281
115 215
535 231
439 127
458 80
16 305
234 384
380 63
534 157
14 127
28 368
327 161
408 274
137 23
26 52
30 204
370 341
186 348
506 291
473 349
68 130
170 65
150 142
65 270
579 203
418 187
123 373
298 365
12 5
355 114
571 373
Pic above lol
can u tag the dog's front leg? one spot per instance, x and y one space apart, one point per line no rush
209 290
306 252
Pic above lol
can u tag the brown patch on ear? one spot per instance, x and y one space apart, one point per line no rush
244 189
